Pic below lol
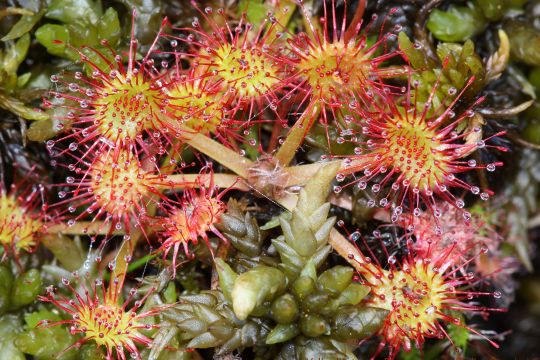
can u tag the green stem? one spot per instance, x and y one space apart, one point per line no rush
82 227
140 262
282 18
126 249
223 155
296 136
220 180
310 20
355 166
347 250
134 265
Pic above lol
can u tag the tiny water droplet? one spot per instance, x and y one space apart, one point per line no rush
362 185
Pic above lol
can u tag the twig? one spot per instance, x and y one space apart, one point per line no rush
223 155
296 136
505 113
181 181
83 227
517 140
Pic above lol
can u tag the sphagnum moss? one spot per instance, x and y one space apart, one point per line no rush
306 309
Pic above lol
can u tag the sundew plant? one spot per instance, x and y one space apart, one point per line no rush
269 179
